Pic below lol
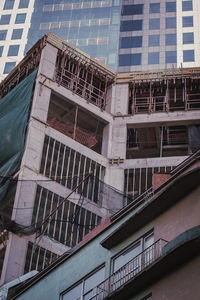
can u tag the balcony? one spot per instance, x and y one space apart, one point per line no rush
128 272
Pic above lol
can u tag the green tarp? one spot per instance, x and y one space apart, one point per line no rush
14 111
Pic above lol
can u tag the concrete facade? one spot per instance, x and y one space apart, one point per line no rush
55 162
163 276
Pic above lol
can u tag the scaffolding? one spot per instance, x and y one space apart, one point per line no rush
164 91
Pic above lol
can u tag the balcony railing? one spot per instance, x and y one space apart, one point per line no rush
160 104
128 271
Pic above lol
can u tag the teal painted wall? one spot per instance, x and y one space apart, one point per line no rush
79 265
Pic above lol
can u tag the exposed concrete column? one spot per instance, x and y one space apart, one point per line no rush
13 265
48 61
120 100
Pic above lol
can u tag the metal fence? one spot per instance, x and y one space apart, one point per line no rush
129 271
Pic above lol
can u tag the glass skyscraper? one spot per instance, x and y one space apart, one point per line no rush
92 26
126 35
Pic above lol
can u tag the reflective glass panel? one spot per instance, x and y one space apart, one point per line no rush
5 19
17 34
170 57
8 4
188 38
3 34
131 42
188 55
13 50
187 5
153 58
8 67
171 22
154 40
136 9
154 24
188 21
154 8
170 39
20 18
132 25
170 6
1 50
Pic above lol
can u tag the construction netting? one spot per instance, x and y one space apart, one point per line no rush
62 218
14 111
194 138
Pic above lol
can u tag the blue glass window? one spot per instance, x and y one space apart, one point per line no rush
8 4
188 55
153 58
170 39
13 50
187 5
171 22
130 59
20 18
17 34
154 23
154 8
170 6
154 40
136 9
132 25
131 42
3 34
5 19
23 3
170 57
187 21
1 50
8 67
188 38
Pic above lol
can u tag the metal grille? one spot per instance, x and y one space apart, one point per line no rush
138 180
37 258
68 167
71 221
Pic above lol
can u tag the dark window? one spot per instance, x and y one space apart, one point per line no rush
20 18
23 3
154 8
187 21
188 55
3 34
136 9
154 40
5 19
130 59
153 58
170 57
131 42
188 38
17 34
170 6
170 39
8 4
1 50
187 5
154 23
171 22
13 50
8 67
132 25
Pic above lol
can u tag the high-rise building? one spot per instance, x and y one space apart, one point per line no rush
159 34
146 34
92 26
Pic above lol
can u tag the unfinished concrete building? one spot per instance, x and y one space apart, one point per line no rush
94 140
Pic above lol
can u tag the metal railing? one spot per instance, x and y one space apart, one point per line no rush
129 271
159 104
81 87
